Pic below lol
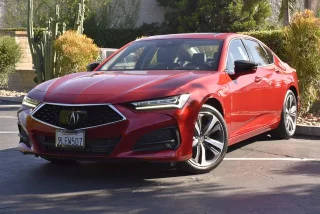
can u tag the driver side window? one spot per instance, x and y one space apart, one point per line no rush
236 51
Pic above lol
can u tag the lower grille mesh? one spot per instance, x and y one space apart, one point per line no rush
159 140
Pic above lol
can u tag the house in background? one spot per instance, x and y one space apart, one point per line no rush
147 12
151 12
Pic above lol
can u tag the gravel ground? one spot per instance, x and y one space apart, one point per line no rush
309 120
9 93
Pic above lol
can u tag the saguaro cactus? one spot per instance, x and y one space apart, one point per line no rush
42 50
80 17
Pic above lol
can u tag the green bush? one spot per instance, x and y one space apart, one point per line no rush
10 54
275 39
74 52
215 16
303 48
116 38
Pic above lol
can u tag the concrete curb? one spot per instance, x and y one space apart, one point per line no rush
17 100
308 130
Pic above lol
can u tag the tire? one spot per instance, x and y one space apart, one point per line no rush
288 122
210 142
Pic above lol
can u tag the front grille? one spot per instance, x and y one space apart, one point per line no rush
103 146
76 116
159 140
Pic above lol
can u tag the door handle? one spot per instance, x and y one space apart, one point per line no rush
258 79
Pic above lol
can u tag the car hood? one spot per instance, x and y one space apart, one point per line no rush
113 86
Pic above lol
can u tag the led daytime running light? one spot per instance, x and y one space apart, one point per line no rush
169 102
30 102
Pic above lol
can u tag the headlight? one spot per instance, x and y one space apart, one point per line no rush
169 102
32 103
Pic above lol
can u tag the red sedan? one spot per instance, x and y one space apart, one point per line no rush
175 98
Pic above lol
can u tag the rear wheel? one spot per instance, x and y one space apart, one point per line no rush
288 123
210 141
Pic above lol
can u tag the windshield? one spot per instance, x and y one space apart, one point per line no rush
167 54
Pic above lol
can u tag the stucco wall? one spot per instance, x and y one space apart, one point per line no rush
315 5
22 78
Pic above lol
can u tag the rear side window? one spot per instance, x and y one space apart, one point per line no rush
269 54
258 53
236 52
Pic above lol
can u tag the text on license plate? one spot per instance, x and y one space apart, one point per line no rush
69 139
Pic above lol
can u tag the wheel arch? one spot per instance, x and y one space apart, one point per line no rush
214 102
295 91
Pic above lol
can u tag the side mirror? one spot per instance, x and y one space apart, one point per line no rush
92 66
244 66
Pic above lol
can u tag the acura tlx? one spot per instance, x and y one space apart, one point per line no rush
180 98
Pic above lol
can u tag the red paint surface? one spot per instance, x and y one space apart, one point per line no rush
251 103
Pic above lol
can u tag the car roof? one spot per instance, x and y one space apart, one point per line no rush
194 36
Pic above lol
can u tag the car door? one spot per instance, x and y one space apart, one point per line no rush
243 90
275 80
264 79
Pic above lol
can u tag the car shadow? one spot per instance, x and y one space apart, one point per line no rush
32 185
261 137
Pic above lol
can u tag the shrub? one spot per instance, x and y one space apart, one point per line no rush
303 48
215 16
74 52
275 39
10 54
116 38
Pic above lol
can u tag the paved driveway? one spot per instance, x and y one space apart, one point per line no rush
258 176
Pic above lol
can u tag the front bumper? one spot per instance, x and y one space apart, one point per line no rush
159 135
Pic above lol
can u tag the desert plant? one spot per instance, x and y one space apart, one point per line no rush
43 10
74 52
10 54
42 51
303 48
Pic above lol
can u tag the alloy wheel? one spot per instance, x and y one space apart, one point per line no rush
208 140
290 116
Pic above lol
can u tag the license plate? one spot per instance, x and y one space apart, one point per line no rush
70 139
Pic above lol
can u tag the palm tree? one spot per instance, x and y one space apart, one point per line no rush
286 9
307 4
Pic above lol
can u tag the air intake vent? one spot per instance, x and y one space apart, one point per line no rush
159 140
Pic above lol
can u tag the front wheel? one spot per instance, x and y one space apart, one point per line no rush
288 123
210 141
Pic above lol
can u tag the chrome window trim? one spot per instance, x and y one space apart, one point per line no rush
248 38
89 127
228 50
261 45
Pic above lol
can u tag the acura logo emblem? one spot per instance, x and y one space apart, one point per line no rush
71 119
74 119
